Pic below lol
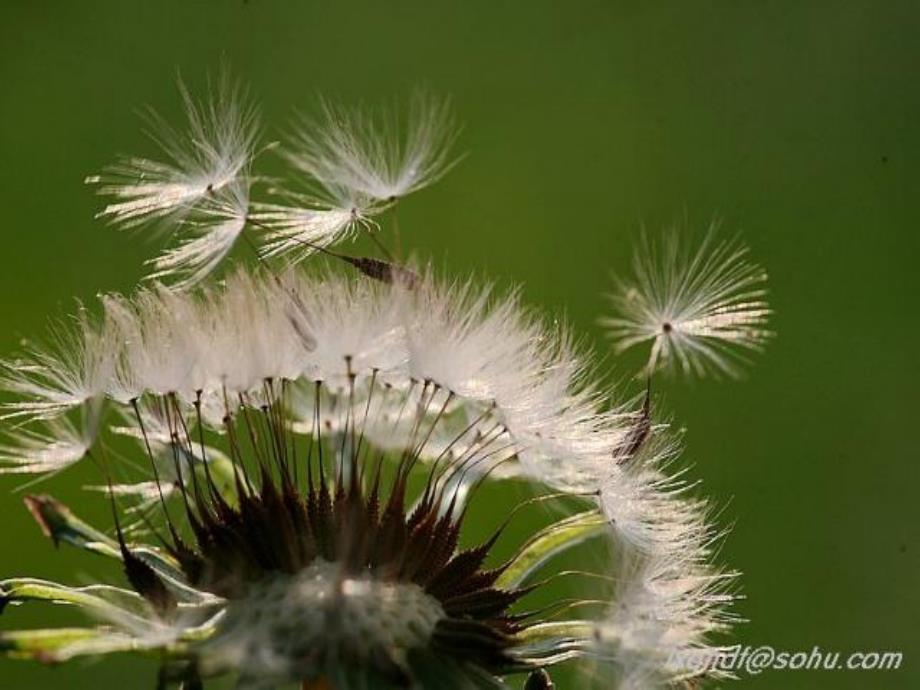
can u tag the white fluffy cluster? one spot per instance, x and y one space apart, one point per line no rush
671 599
483 364
376 155
475 355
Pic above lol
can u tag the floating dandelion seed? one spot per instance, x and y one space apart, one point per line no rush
701 311
213 153
376 154
313 442
297 231
202 186
356 164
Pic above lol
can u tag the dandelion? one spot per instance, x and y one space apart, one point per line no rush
299 230
702 311
309 443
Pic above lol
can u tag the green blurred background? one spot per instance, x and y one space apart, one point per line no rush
796 123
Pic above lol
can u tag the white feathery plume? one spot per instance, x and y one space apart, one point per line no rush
59 445
353 326
212 233
490 352
73 371
666 608
475 347
648 508
213 153
245 336
670 599
202 187
701 311
159 351
466 341
376 154
357 162
297 231
565 432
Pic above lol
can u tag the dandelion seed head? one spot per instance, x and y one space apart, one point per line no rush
458 383
310 441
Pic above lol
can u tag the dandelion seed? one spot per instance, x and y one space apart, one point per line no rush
671 599
213 153
220 221
73 371
201 191
376 154
667 608
296 232
54 448
701 311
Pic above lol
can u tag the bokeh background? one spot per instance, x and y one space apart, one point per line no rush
795 123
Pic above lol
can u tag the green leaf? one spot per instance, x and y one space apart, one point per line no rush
579 630
61 525
111 604
550 542
115 605
547 644
45 644
55 645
